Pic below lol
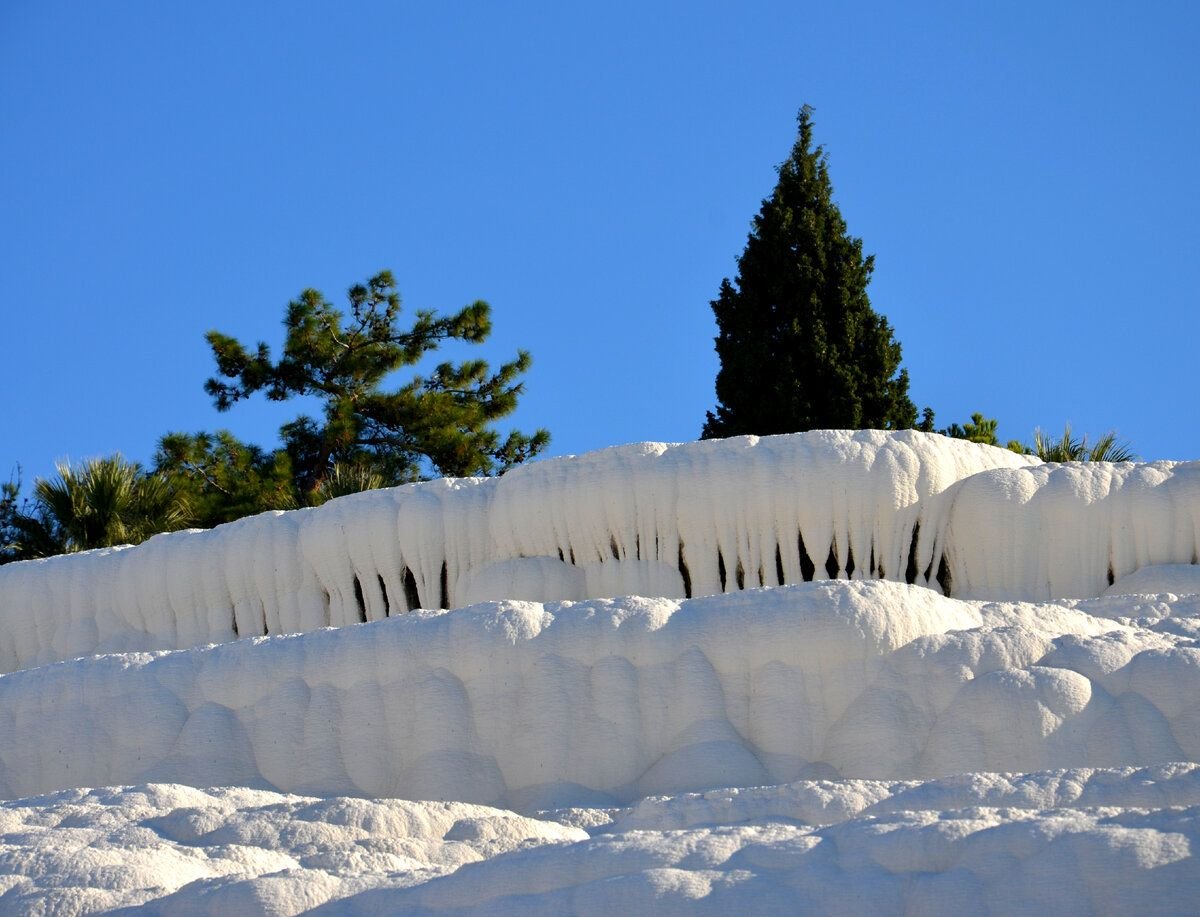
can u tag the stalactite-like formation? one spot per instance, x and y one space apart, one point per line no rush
649 519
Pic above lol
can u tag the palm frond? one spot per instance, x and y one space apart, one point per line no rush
1069 449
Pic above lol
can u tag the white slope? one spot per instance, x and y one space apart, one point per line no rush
236 850
1096 841
819 724
1067 530
602 702
729 514
1177 579
648 519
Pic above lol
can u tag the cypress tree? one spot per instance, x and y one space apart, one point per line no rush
799 344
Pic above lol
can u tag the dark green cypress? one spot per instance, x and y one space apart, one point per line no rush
799 344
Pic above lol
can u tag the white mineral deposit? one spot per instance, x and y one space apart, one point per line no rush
835 672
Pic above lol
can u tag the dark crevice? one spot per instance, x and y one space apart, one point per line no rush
850 566
360 601
721 568
573 564
779 565
910 572
561 557
739 576
1111 578
762 577
637 546
683 572
445 585
612 546
807 568
412 598
871 571
328 617
233 618
387 606
831 562
943 576
262 611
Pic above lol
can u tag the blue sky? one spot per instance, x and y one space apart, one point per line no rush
1025 174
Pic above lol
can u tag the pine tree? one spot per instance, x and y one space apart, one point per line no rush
799 344
11 520
436 424
223 479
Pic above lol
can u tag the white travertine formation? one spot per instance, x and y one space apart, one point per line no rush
180 850
1086 841
526 705
1066 530
651 519
771 750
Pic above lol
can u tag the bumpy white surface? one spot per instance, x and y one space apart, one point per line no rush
1116 841
1176 579
236 850
732 514
832 713
602 702
619 521
1065 530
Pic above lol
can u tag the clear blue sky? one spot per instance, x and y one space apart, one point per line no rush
1025 174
